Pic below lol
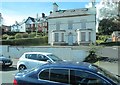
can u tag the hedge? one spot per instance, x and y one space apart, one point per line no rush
110 43
29 41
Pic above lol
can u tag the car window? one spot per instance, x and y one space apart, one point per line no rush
44 74
85 78
41 57
59 75
54 57
31 56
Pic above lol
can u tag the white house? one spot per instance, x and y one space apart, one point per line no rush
72 26
18 27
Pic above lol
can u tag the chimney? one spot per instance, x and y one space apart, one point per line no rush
43 15
50 12
55 7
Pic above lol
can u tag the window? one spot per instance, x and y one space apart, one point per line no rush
89 36
44 74
42 57
83 36
70 24
62 37
56 37
57 25
59 75
83 24
85 78
31 56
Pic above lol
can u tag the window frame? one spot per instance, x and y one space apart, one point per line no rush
50 75
92 73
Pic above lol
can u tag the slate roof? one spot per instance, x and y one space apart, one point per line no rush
70 13
33 19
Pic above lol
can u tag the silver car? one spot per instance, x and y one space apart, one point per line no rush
33 59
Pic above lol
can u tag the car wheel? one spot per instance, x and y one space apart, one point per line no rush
22 67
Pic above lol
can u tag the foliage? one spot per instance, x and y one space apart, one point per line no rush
107 26
32 35
103 37
25 35
11 37
5 36
110 43
18 35
24 41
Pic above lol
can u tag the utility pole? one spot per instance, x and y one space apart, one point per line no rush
36 23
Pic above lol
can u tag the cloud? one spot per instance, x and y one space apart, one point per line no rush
10 20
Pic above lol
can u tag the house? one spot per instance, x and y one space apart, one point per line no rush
39 24
5 28
43 24
116 36
72 26
30 24
18 27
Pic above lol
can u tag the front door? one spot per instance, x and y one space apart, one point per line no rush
70 39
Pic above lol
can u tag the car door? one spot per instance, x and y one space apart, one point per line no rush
79 77
41 59
54 76
32 61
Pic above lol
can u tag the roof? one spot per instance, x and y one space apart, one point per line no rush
72 65
71 13
33 19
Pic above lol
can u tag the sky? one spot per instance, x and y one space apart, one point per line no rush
19 10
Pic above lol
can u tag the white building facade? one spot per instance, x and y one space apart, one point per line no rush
72 27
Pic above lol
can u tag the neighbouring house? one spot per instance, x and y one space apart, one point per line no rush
116 36
18 27
72 26
43 24
5 29
30 24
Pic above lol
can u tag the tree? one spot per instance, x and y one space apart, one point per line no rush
107 26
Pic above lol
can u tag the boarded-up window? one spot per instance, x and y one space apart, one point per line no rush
57 25
82 36
70 24
83 24
62 37
56 37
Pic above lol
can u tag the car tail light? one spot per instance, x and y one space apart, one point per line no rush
15 82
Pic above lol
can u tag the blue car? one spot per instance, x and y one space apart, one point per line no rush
66 73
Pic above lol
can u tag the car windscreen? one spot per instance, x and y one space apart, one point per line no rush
54 57
107 74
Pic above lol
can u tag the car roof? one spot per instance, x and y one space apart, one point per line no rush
44 53
72 65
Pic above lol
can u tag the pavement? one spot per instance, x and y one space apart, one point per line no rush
7 74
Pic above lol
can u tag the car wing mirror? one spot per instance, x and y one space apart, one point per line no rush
49 61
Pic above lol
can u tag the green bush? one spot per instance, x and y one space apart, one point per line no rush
26 42
32 35
103 37
18 35
11 37
110 43
5 36
25 35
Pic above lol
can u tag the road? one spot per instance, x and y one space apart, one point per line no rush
7 74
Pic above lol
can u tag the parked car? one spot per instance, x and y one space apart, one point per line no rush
32 59
66 73
5 62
